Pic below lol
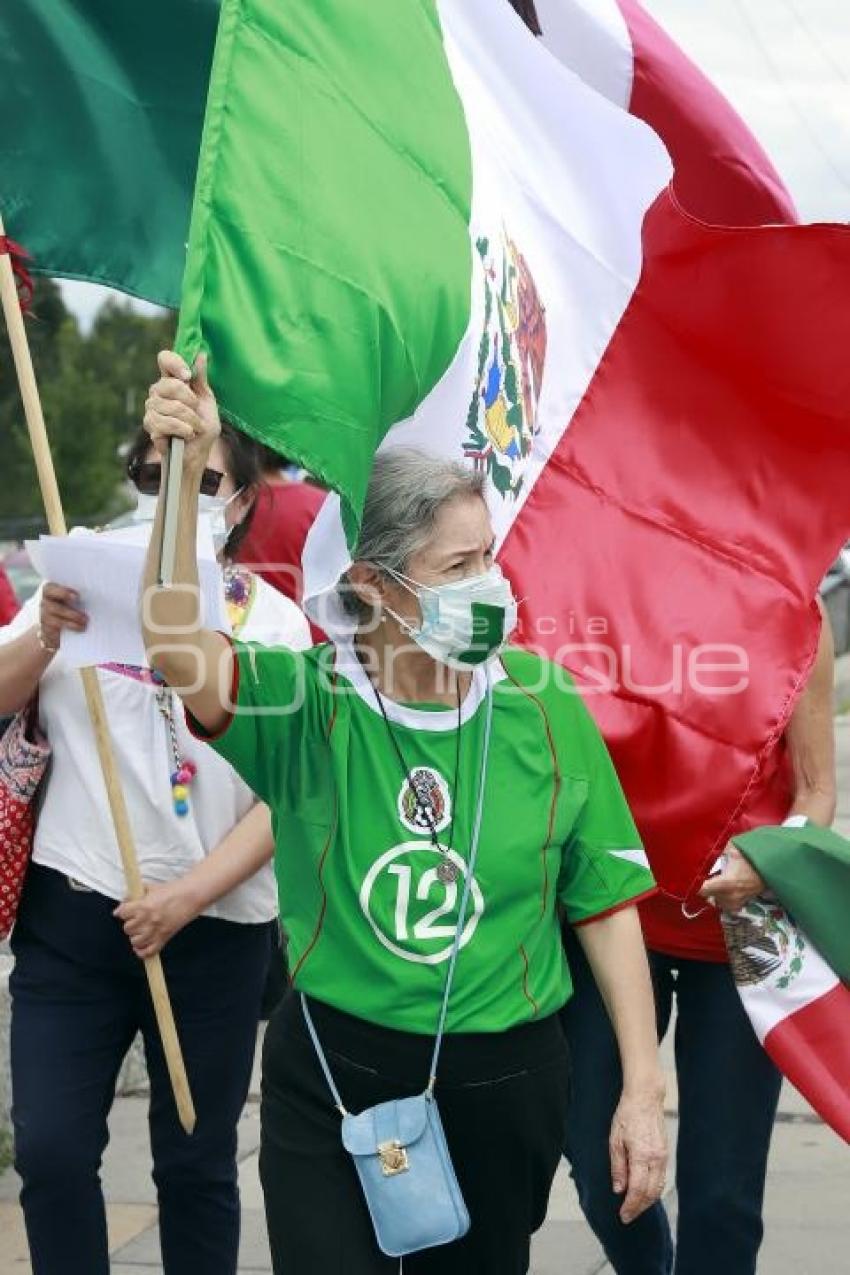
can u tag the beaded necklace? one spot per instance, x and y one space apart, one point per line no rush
185 769
239 591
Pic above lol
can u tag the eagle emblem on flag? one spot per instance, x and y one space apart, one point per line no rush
502 418
763 944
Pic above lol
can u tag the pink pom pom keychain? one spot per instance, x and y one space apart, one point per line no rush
185 769
181 780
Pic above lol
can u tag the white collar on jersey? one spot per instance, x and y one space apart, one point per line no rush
349 667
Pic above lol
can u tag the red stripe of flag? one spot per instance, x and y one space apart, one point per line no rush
812 1048
694 502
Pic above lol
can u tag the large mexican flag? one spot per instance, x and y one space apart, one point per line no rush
473 252
103 120
414 222
411 238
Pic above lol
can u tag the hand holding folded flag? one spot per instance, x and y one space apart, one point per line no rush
790 955
733 887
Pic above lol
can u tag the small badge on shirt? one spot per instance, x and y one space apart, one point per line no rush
426 804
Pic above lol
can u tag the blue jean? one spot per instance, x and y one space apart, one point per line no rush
79 996
728 1094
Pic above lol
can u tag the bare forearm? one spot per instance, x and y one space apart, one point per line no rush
245 849
195 662
817 806
22 665
811 738
171 616
615 951
166 907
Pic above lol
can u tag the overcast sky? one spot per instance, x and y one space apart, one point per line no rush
785 66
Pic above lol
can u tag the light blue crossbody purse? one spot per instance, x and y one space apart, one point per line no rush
398 1147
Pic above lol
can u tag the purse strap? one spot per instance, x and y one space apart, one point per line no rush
322 1059
464 903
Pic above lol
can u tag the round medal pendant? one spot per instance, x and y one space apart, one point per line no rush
447 872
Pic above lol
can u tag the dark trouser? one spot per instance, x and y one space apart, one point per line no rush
79 996
728 1093
502 1099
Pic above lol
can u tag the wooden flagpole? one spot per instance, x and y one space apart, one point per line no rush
91 685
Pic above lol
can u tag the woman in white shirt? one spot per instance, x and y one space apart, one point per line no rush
79 993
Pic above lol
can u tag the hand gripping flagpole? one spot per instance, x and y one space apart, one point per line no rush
91 685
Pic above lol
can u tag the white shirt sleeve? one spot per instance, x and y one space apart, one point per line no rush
275 620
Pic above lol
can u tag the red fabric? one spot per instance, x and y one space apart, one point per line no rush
696 498
722 173
812 1048
17 825
700 937
696 938
9 605
24 754
722 176
283 515
23 278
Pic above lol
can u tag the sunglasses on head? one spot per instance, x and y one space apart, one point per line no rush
146 478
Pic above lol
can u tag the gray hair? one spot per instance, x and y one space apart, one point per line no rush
406 492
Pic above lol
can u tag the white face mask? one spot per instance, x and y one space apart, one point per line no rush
463 622
145 510
210 507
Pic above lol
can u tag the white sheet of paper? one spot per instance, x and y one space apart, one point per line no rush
106 570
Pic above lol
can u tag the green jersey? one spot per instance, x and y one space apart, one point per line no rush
370 917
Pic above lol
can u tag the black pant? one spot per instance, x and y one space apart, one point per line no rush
728 1093
79 996
502 1099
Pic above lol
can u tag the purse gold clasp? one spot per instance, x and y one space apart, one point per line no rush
393 1157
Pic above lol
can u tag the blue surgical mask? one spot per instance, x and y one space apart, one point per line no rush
465 621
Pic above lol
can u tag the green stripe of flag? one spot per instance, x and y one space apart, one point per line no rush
809 871
102 107
329 265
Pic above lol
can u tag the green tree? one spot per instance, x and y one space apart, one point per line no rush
93 387
121 351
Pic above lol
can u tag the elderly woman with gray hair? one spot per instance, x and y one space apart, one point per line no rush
440 800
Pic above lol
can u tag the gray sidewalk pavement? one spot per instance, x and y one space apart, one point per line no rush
806 1210
808 1195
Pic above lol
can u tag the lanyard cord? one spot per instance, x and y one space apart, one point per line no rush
473 848
426 808
467 886
165 705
